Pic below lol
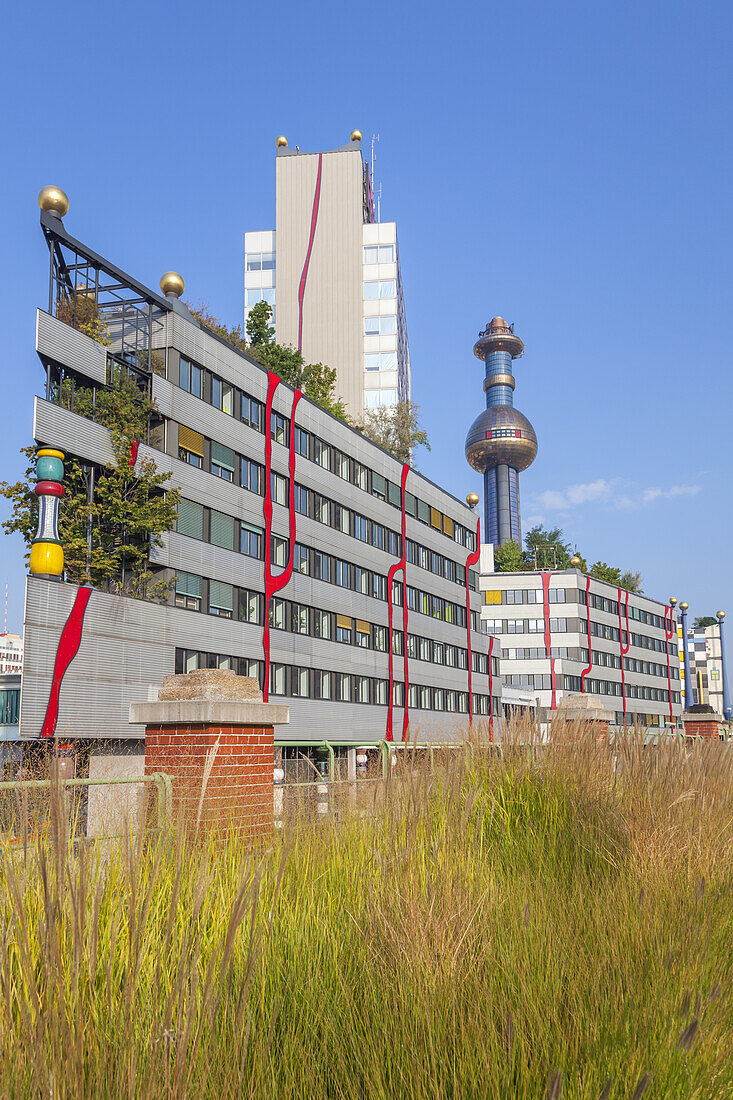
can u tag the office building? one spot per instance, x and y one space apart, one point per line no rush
304 555
11 653
563 632
331 273
501 442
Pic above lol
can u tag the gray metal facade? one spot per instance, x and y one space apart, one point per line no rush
128 645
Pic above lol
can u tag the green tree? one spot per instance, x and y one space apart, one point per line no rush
260 332
508 558
396 429
231 335
631 582
704 620
129 508
602 571
546 548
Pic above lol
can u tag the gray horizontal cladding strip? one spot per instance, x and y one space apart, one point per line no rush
69 432
128 646
69 347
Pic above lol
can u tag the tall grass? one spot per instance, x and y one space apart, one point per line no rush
532 925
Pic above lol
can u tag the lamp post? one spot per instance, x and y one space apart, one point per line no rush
727 708
689 690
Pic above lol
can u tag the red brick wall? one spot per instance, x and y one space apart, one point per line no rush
707 730
239 791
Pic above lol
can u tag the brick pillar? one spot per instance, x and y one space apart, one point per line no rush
702 722
212 733
581 713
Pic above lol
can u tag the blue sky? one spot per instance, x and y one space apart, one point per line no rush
565 165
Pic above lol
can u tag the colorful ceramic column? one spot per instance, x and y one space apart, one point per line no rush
47 554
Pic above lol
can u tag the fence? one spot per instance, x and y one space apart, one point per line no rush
27 806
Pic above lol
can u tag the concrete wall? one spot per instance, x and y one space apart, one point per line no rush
114 808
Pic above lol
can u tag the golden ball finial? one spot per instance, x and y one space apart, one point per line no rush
282 142
172 284
720 615
472 500
672 601
575 561
53 200
356 135
684 605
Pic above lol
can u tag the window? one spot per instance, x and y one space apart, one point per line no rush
299 618
190 519
278 613
222 530
321 508
250 606
280 428
222 395
379 586
380 399
252 410
380 360
380 638
361 527
253 476
300 496
260 261
361 579
301 560
341 465
221 599
322 454
299 682
322 624
378 536
383 288
343 686
343 629
277 679
382 254
188 591
362 689
280 547
322 687
302 442
222 461
256 294
190 446
342 573
380 326
190 377
322 564
279 488
250 541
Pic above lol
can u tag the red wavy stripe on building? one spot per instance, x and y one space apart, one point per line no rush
585 671
133 452
274 584
398 567
471 560
548 639
68 648
625 650
311 238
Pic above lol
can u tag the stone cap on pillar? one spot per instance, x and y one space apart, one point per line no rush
210 697
701 712
582 708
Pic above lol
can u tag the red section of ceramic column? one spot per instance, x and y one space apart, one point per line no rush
274 584
399 566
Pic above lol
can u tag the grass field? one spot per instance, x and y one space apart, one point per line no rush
521 926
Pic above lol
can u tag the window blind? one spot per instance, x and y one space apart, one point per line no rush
191 519
191 440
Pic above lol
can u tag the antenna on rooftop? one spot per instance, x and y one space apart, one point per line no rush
377 190
5 623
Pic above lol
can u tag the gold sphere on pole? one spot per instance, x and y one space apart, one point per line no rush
575 561
356 135
53 200
172 284
684 605
673 601
472 500
720 615
282 142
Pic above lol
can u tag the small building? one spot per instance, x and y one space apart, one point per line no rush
562 632
11 653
